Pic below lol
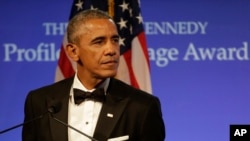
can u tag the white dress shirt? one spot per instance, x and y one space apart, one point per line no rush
85 115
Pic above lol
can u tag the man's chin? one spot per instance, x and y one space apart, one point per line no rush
109 74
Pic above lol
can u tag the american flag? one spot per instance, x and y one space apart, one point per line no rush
134 68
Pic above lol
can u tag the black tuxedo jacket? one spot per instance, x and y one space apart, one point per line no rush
135 113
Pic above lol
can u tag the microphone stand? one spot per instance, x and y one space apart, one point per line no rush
93 139
54 109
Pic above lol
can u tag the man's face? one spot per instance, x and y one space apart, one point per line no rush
99 49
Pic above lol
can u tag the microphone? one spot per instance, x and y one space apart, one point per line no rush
26 122
56 108
52 109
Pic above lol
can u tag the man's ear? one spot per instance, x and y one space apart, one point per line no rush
72 51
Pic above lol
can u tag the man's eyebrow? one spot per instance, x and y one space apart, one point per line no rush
115 36
103 37
98 38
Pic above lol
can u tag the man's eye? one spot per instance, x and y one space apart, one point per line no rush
116 40
98 42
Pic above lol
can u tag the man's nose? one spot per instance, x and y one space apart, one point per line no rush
111 48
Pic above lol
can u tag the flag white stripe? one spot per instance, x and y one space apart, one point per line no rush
123 72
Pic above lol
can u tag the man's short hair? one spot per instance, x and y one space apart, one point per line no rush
75 24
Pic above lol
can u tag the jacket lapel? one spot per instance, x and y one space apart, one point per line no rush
112 109
60 94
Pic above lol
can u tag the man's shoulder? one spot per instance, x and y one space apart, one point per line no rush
62 84
132 92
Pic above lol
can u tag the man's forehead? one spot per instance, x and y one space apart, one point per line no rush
99 24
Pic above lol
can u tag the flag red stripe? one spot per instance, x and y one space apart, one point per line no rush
65 65
142 39
127 56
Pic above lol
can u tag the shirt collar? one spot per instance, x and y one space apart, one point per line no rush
77 84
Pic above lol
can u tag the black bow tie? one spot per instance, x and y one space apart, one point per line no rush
80 96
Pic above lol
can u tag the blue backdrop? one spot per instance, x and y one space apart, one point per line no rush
199 55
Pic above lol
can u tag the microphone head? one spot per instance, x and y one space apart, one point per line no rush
55 108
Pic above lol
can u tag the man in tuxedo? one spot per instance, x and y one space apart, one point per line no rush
110 109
